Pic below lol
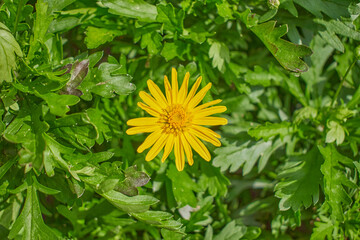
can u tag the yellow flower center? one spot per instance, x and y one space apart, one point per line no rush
175 119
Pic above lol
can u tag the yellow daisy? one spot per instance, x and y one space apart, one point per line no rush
177 120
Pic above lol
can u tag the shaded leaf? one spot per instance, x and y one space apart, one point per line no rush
335 180
300 181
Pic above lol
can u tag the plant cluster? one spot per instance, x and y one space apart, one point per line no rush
286 70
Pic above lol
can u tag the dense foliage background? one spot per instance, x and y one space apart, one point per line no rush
70 73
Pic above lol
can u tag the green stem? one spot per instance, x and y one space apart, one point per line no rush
18 12
342 83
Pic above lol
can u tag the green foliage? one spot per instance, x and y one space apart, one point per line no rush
8 48
70 77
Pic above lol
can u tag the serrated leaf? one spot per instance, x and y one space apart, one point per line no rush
233 157
173 49
300 181
224 9
335 180
59 104
322 230
98 36
132 8
288 54
336 133
107 83
270 130
56 150
220 55
9 48
30 220
152 41
173 20
213 180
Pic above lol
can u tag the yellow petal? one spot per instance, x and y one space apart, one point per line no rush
149 141
206 131
157 94
213 140
209 111
183 90
174 85
159 144
149 100
168 147
193 90
167 90
187 148
144 121
179 154
210 121
199 96
198 146
142 129
205 105
148 109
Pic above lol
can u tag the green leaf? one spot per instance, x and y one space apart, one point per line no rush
59 104
132 8
288 54
213 180
261 77
183 187
235 156
220 55
224 10
139 203
336 133
41 25
173 21
152 41
158 219
78 73
38 186
98 36
107 83
56 150
335 180
300 181
173 49
31 221
76 129
4 168
322 230
334 9
231 232
57 5
133 179
270 130
96 118
8 48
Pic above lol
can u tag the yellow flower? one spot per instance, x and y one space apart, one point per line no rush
177 120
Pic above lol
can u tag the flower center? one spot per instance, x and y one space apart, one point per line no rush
175 119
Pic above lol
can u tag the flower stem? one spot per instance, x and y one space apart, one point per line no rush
342 83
